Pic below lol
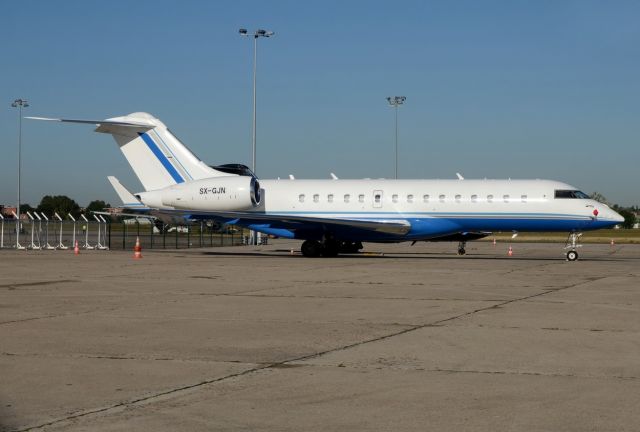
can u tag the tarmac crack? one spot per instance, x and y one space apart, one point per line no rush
14 286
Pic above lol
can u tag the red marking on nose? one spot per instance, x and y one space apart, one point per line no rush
595 212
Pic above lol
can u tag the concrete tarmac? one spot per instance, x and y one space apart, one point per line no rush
258 339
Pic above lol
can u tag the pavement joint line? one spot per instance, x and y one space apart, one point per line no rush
135 358
111 309
358 298
470 371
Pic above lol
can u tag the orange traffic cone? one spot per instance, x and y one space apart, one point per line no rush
137 249
494 241
76 249
510 253
612 243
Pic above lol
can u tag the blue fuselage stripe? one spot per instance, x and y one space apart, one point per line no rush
162 158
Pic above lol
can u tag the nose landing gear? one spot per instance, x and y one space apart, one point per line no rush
572 245
461 248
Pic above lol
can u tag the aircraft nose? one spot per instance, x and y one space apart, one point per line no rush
616 217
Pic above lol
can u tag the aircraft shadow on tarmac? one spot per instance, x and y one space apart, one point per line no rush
283 253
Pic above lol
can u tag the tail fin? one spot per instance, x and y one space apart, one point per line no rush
158 158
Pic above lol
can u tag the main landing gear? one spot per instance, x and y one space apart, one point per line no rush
572 245
461 248
328 248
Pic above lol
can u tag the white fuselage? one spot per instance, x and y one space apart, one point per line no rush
433 208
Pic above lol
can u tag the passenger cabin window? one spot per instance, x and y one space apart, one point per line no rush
524 198
394 198
489 198
377 198
361 198
474 198
347 198
458 198
441 197
425 198
330 198
409 198
571 194
316 198
505 198
301 198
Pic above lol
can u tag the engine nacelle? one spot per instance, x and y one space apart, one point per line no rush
227 193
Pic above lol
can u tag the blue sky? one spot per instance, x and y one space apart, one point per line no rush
520 89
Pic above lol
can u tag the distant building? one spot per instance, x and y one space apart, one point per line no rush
7 211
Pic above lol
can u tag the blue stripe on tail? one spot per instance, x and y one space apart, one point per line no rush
161 157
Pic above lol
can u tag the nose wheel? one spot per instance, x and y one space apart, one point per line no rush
572 255
461 248
572 245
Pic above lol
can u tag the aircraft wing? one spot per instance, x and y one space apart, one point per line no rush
387 226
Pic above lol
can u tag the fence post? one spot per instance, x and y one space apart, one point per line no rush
201 234
124 235
153 226
176 236
164 236
189 235
109 228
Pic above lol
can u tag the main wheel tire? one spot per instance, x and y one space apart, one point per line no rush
311 248
572 255
461 251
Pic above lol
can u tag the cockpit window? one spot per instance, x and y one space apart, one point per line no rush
560 193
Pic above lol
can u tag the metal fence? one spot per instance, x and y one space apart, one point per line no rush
103 235
161 236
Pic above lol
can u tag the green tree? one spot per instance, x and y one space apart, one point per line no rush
60 204
97 205
597 196
629 218
26 208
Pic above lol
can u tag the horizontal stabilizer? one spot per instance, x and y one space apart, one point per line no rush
157 157
127 198
96 122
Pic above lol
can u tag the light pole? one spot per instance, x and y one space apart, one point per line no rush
19 103
257 34
395 102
